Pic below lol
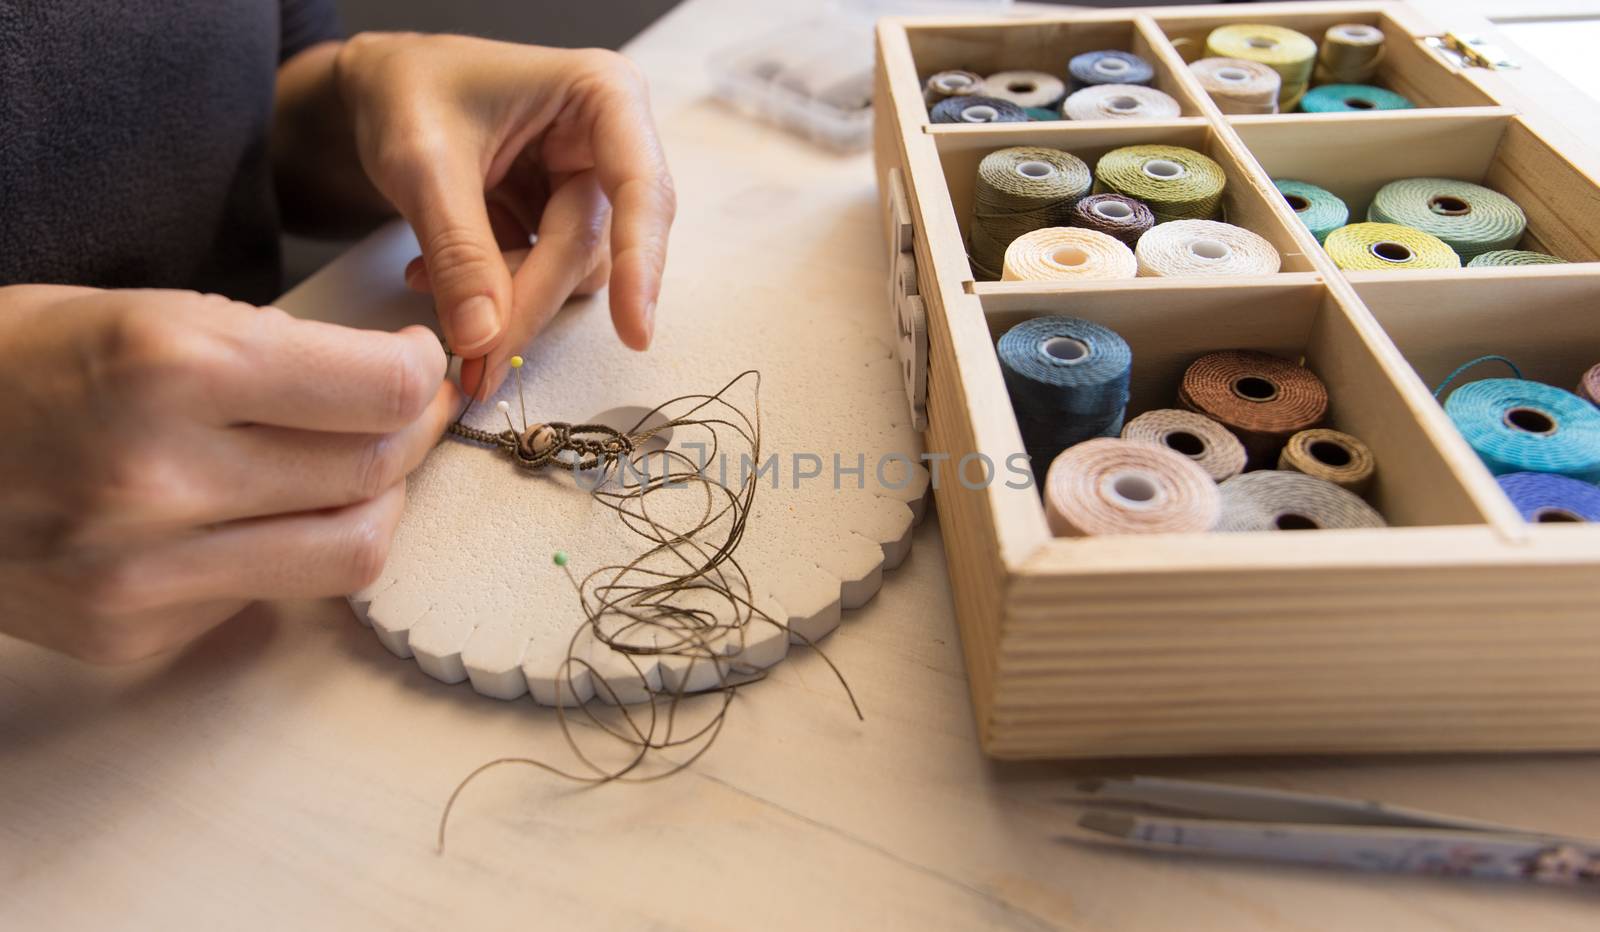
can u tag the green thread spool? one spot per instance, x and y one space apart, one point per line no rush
1503 257
1350 54
1352 98
1291 54
1019 190
1318 208
1376 247
1470 218
1177 183
1042 114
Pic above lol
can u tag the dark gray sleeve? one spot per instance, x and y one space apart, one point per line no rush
304 23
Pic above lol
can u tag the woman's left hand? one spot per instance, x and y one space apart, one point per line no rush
481 145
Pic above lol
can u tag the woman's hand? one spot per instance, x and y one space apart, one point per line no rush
481 144
171 457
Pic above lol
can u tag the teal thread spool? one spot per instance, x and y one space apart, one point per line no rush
1470 218
1518 425
1351 98
1504 257
1318 208
1043 114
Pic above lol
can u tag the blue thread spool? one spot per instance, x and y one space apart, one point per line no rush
1351 98
1545 498
1517 425
1068 380
977 110
1109 66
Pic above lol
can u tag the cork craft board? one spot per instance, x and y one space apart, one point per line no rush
469 590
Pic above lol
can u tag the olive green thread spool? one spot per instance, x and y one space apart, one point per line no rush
1470 218
1350 54
1382 247
1019 190
1175 182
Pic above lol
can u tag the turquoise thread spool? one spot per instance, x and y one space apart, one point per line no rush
1518 425
1351 98
1318 208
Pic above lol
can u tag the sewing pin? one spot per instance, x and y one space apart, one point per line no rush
522 399
505 408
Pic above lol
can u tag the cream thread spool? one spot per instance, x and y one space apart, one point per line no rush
1204 247
1238 85
1275 500
1211 446
1331 455
1068 253
1109 486
1120 102
1025 88
947 84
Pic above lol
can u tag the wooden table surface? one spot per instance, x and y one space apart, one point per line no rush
287 772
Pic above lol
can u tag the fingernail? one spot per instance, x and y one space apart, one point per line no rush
475 324
649 321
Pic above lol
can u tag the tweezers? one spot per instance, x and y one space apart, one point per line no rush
1187 816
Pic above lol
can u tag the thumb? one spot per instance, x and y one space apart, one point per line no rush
470 281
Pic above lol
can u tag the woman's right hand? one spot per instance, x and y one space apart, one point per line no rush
169 457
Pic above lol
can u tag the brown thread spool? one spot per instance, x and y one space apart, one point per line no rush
1331 455
1115 215
1262 398
1589 386
1210 445
1110 486
1350 54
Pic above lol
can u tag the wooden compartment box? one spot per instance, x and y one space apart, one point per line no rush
1459 627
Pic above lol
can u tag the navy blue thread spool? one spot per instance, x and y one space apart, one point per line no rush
1546 497
977 110
1109 66
1068 381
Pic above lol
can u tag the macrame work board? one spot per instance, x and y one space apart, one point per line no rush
469 589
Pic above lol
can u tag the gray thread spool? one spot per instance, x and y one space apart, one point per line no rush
1019 190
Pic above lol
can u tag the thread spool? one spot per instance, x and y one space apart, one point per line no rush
1238 85
1378 247
1204 247
1275 500
1352 98
1043 115
1542 498
1589 386
1518 425
1110 486
1114 215
1262 398
1331 455
948 84
1470 218
1026 88
977 110
1507 257
1108 66
1291 54
1177 183
1067 253
1211 446
1319 209
1019 190
1120 102
1350 54
1068 382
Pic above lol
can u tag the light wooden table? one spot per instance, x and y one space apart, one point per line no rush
287 772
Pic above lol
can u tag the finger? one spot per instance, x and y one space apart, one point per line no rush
139 636
571 234
443 200
317 376
633 174
262 470
305 556
417 271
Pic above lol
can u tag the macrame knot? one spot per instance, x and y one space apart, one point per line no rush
590 446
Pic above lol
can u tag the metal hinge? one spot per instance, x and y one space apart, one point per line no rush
1469 52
